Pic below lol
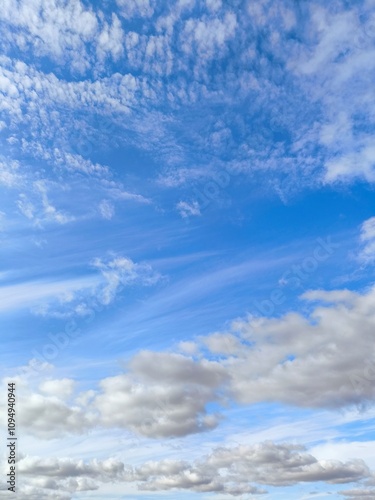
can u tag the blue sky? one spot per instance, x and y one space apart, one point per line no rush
187 227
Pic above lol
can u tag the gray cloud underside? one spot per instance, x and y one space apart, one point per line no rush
234 471
324 360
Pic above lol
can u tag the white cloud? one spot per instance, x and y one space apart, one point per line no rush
110 40
335 65
136 8
9 175
26 207
163 395
325 64
45 410
214 5
346 449
61 478
314 361
27 294
64 298
358 494
119 272
221 343
61 388
117 192
50 212
353 165
173 177
368 229
265 463
39 209
49 417
367 236
61 159
231 471
55 28
208 36
187 209
189 348
106 209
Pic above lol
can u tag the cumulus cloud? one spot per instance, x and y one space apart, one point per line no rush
313 361
232 471
65 468
46 410
160 395
222 343
163 395
58 478
9 176
316 360
358 494
61 388
51 417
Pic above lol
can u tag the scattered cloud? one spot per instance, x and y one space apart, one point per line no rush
367 237
36 24
136 8
106 209
188 209
231 471
191 103
268 360
66 297
110 40
62 388
358 494
9 176
308 361
208 37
